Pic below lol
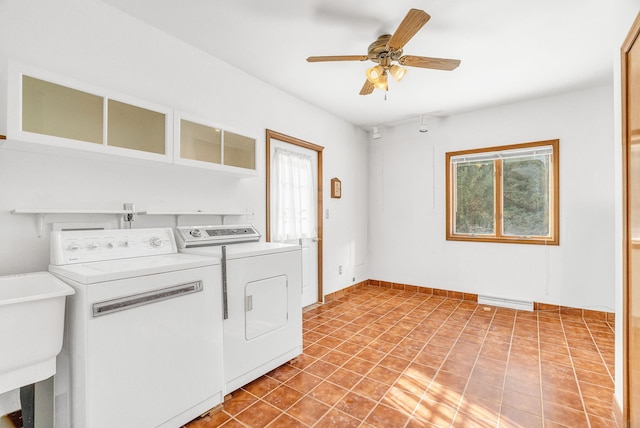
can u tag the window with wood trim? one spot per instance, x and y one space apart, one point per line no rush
504 194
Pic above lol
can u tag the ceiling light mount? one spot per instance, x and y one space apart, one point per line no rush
423 124
375 133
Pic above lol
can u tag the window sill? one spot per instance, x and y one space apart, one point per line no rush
504 240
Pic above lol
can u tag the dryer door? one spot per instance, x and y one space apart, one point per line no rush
266 306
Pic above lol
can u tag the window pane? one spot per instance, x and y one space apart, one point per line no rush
475 195
525 183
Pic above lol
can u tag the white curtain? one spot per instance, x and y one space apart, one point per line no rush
293 196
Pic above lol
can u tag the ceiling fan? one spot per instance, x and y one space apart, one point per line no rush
386 51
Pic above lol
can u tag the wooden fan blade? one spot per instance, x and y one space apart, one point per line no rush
426 62
367 88
409 26
338 58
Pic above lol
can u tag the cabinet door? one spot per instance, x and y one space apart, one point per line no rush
59 111
135 128
239 151
200 142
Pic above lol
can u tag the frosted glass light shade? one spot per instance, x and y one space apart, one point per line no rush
374 73
397 72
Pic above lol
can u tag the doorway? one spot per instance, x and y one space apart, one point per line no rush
280 146
631 193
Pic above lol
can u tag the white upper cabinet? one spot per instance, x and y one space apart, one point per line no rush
50 112
204 144
55 112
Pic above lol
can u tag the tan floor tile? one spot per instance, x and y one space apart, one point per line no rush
380 357
401 400
336 358
286 421
485 375
519 401
258 415
214 419
435 413
328 393
483 409
308 410
303 382
239 401
451 380
284 372
385 416
321 369
355 405
468 420
562 397
510 418
262 386
564 415
233 423
371 389
358 365
283 397
335 418
412 384
384 375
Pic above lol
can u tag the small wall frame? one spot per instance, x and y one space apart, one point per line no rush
336 188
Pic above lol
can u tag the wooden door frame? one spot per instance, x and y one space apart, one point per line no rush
629 41
318 149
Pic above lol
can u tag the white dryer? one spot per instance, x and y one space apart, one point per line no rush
262 287
143 335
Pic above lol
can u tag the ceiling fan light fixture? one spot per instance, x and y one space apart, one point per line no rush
374 74
381 83
397 72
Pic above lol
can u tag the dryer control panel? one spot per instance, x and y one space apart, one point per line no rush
198 236
83 246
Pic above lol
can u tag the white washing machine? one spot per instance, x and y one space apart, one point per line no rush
143 334
262 288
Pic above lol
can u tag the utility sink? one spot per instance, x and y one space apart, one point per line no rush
31 327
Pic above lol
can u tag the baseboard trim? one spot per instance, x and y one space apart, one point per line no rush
608 317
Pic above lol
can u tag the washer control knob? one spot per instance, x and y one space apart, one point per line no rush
156 242
109 245
92 246
74 247
196 233
124 244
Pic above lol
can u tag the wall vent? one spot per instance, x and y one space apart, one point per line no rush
505 303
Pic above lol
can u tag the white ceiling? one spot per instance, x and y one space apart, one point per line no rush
510 50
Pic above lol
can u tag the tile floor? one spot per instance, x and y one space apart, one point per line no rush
379 357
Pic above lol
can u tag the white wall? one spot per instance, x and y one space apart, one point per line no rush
91 42
407 204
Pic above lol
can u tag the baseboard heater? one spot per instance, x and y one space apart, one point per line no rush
522 305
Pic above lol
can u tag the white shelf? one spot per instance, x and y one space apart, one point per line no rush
178 214
41 212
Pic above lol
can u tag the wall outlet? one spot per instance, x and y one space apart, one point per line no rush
340 270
